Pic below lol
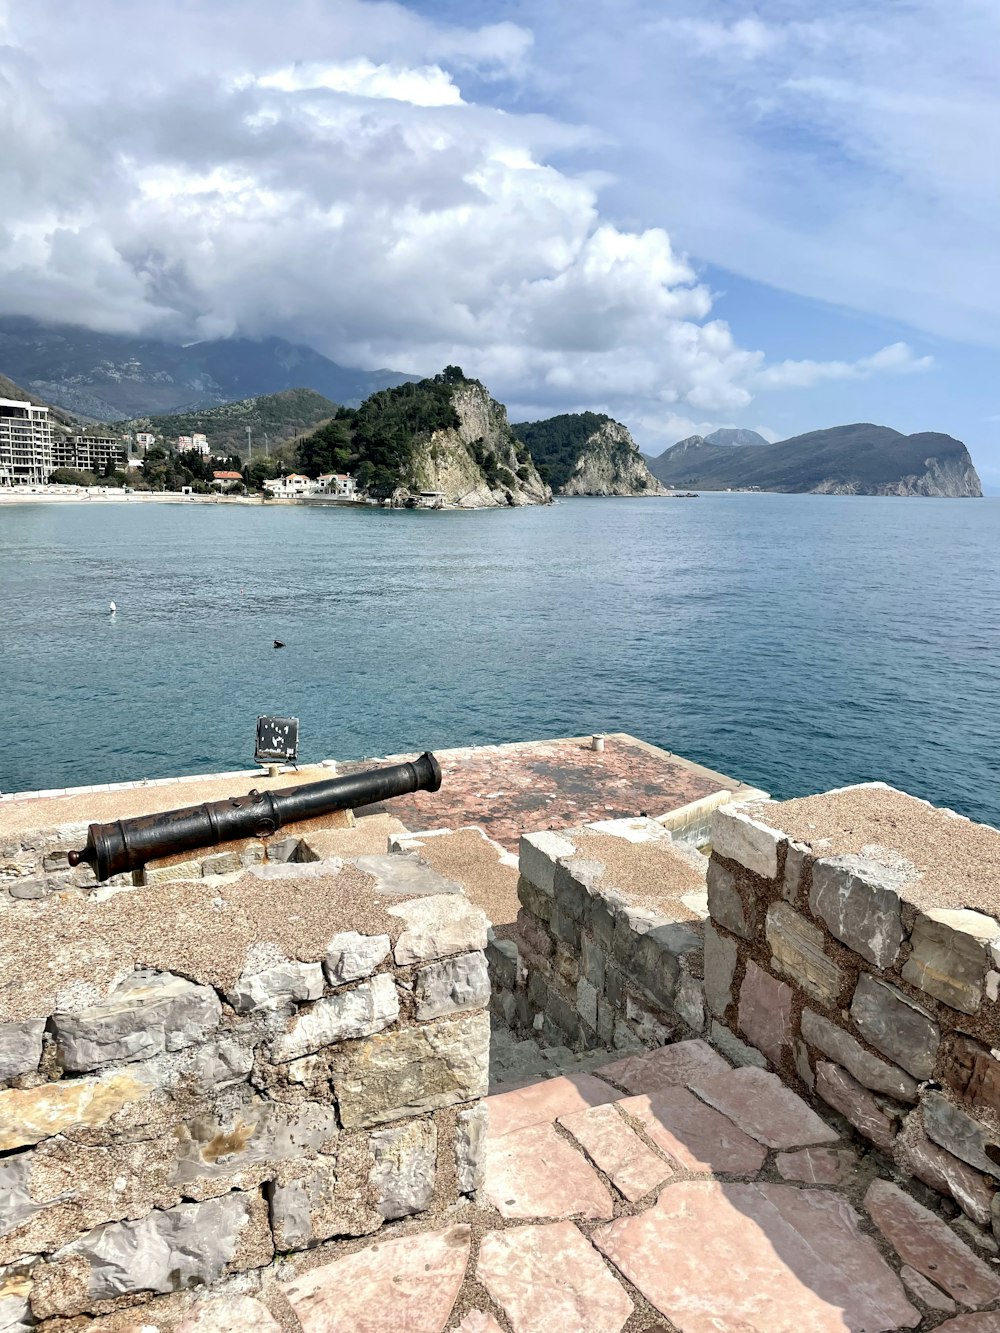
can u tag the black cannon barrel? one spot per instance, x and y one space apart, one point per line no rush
128 844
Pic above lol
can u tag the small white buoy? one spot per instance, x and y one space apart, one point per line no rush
113 608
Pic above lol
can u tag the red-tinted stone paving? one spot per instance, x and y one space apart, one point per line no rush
507 790
624 1202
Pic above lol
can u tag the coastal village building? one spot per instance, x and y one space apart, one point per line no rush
336 483
144 441
93 451
294 484
193 443
25 443
224 480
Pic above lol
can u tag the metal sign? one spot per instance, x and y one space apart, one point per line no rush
277 739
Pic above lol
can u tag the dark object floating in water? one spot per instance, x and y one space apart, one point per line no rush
279 643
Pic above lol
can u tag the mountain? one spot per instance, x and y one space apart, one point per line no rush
442 441
8 389
110 377
846 460
274 417
586 453
735 437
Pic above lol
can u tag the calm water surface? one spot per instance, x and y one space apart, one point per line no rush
797 642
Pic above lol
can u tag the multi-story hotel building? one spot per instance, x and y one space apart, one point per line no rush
89 452
25 443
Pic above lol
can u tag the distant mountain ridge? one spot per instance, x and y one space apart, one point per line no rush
860 459
735 436
587 453
113 377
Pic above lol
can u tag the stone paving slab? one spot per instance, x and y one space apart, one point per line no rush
760 1104
409 1283
738 1258
536 1173
230 1314
478 1321
665 1067
542 1102
550 1279
816 1166
619 1152
694 1135
930 1246
972 1323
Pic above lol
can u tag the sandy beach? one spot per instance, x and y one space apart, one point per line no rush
114 495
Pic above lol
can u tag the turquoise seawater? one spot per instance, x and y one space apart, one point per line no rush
796 642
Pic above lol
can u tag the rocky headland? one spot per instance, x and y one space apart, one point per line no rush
587 453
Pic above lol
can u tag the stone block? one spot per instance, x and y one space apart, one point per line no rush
927 1243
738 837
855 1103
283 850
538 990
689 1002
602 911
725 906
797 951
573 885
960 1134
765 1012
395 1074
317 1200
562 1022
586 1003
950 956
533 936
503 960
858 900
194 1244
656 957
736 1051
20 1047
170 872
221 863
652 1025
404 1170
219 1147
720 967
148 1013
916 1153
605 1021
840 1047
796 854
566 929
566 966
275 986
540 905
350 956
451 986
471 1127
539 855
973 1071
436 926
614 985
360 1012
894 1025
593 960
16 1202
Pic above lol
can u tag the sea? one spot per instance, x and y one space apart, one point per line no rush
798 643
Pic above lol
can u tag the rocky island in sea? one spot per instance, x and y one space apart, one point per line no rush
587 453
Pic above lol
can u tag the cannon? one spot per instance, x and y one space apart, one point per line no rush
128 844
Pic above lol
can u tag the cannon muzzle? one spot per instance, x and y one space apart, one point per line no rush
128 844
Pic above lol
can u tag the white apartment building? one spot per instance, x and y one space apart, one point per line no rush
89 452
25 443
197 443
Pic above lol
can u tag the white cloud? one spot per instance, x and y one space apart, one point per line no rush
198 177
896 359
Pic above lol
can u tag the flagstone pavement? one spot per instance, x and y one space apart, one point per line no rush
663 1192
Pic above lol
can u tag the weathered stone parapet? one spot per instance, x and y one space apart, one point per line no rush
862 963
608 945
297 1081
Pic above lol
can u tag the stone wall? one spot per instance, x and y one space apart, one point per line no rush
847 949
605 956
171 1129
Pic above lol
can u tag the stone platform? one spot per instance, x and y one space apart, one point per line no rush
663 1191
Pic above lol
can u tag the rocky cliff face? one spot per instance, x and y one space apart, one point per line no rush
477 465
610 464
951 479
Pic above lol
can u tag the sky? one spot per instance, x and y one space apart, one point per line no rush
779 215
